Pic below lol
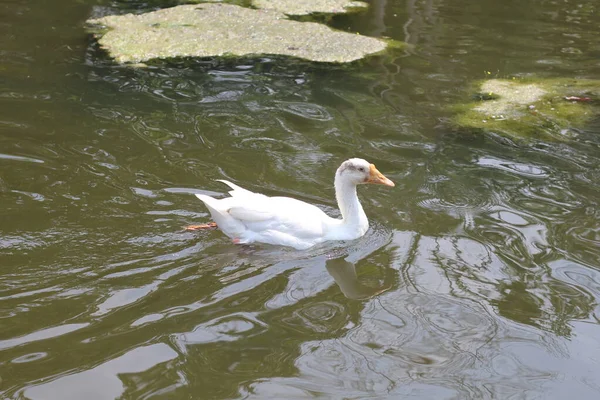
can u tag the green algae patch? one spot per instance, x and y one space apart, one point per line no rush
216 29
531 108
306 7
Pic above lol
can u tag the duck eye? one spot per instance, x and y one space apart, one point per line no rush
361 169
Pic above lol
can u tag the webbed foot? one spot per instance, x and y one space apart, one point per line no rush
210 225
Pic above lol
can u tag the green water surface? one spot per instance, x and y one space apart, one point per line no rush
478 279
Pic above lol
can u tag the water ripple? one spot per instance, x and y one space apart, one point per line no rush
478 277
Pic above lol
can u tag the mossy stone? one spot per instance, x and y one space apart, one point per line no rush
305 7
215 29
530 108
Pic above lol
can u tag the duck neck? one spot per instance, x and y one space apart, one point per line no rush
353 214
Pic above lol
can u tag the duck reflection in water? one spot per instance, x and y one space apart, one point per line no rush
344 274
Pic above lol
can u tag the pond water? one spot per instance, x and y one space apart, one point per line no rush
479 277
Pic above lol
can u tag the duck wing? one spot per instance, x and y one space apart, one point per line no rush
281 214
251 217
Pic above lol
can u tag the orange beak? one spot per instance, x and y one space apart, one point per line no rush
377 177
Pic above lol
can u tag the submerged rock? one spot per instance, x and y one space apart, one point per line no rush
528 108
215 29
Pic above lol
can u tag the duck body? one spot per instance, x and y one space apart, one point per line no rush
249 217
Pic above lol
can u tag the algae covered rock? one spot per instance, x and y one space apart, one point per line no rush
305 7
529 108
215 29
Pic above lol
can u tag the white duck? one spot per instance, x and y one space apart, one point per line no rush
249 217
